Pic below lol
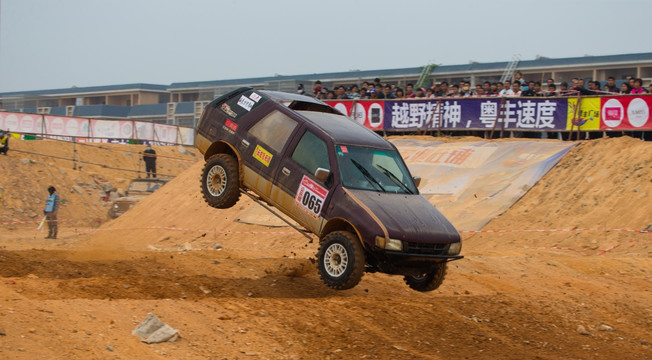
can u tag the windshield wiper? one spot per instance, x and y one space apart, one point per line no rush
394 178
366 174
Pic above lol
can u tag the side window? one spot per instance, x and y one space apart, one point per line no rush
311 153
274 130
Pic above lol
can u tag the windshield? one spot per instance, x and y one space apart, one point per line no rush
373 169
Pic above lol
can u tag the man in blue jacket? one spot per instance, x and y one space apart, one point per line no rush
50 211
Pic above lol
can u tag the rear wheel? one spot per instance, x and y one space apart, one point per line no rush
220 181
340 260
429 280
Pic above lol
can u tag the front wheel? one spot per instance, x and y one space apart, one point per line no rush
340 260
220 182
429 280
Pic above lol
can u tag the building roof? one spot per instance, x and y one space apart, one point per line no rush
148 110
102 111
187 107
443 69
90 89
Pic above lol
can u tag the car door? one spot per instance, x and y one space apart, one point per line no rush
261 149
296 189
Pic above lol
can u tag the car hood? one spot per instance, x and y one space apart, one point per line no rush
134 198
408 217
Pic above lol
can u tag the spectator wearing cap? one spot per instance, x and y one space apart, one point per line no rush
611 85
372 93
409 91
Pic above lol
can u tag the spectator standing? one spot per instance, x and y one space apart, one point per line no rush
149 156
518 77
50 211
499 88
638 87
625 88
444 88
4 142
301 90
506 88
409 91
529 91
399 93
420 93
388 92
455 91
317 89
340 93
486 86
563 88
515 90
611 85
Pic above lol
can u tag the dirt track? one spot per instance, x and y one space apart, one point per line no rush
260 297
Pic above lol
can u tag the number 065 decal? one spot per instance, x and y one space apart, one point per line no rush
310 196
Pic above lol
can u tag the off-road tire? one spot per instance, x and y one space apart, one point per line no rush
340 260
429 281
220 182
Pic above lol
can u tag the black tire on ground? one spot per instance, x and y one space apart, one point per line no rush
220 182
429 280
341 260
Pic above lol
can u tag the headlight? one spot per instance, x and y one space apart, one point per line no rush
392 244
115 206
455 248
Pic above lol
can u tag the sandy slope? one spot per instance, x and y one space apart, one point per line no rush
260 297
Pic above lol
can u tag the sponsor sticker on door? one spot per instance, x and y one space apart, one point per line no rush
262 155
310 196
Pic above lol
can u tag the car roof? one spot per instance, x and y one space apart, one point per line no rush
344 130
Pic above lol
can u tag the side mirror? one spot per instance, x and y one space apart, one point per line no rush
417 180
322 174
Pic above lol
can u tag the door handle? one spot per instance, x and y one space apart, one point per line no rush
286 171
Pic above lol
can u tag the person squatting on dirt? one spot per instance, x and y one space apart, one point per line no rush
4 142
51 209
149 156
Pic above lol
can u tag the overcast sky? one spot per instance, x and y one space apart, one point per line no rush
47 44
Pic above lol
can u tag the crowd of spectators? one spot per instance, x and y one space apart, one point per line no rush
517 87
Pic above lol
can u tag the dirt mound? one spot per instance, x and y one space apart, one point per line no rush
241 291
600 185
23 187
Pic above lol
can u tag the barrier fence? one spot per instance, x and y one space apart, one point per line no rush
91 130
585 113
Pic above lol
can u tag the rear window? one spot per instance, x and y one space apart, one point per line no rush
274 130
